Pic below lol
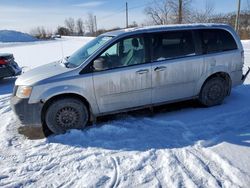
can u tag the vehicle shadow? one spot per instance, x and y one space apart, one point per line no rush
170 126
37 133
7 85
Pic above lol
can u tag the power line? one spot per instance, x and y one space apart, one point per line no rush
115 13
122 10
139 6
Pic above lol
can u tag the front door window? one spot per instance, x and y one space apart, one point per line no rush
127 52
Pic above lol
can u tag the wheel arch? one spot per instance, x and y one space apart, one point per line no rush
223 74
48 102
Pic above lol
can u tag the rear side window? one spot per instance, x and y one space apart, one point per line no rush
217 40
172 44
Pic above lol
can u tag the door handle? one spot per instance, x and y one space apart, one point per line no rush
143 71
161 68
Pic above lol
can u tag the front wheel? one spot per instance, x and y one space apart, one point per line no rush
213 91
66 114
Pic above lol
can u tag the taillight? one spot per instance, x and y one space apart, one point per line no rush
3 62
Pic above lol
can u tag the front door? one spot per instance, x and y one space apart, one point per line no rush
122 76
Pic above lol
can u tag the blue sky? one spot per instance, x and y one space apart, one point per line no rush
24 15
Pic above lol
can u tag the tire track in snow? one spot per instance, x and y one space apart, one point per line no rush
201 172
233 173
181 160
156 175
174 172
152 160
192 167
199 175
224 173
116 179
5 104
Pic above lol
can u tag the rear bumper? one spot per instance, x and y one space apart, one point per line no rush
244 76
238 77
27 114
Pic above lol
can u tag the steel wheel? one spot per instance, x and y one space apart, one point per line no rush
65 114
213 91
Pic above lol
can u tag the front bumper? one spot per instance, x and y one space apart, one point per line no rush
27 114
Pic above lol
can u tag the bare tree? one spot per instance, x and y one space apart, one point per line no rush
181 10
229 18
39 32
90 23
134 24
80 26
169 11
159 12
70 24
62 31
205 15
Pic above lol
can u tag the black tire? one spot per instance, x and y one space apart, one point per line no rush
46 131
213 91
66 114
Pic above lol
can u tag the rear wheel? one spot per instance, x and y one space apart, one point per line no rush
66 114
213 91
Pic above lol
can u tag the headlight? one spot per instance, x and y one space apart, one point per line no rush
23 91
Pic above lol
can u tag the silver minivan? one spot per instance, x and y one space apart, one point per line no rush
130 69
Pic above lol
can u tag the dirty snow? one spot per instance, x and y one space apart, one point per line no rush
189 146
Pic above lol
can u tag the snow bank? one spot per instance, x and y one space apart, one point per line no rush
34 54
15 36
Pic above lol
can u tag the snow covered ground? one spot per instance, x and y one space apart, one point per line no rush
189 146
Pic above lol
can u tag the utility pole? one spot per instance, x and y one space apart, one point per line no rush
237 17
180 12
95 24
126 14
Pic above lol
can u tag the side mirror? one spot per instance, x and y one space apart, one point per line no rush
100 64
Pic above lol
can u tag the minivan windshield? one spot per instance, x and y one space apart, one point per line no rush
84 52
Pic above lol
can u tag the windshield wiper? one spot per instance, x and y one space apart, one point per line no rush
69 65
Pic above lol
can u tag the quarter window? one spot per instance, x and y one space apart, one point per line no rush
172 44
217 40
228 42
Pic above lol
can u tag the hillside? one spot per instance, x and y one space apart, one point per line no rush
15 36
